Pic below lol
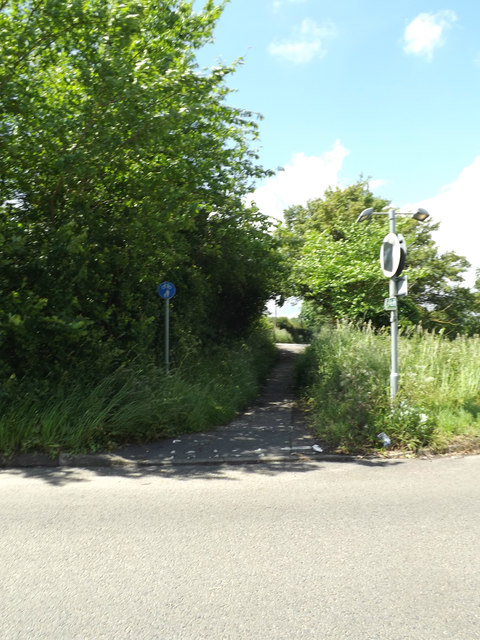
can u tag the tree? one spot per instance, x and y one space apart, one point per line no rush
121 165
335 268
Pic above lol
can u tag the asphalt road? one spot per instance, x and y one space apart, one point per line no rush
363 550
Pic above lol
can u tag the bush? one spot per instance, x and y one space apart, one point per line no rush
129 182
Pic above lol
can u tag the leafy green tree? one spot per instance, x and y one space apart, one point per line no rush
335 265
121 165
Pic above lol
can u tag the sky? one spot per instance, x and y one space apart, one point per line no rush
351 88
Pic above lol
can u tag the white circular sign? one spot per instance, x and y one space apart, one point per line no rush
392 255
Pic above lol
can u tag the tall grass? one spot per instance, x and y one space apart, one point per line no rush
345 377
133 404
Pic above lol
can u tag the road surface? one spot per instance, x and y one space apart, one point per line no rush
326 550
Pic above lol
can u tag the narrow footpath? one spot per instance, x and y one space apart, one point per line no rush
271 429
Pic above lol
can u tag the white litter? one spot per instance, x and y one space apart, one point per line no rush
317 448
385 439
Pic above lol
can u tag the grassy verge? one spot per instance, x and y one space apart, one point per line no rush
134 404
344 377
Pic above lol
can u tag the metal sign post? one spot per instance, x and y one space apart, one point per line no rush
394 374
166 291
393 254
392 290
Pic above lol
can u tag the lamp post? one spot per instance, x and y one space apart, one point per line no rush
392 260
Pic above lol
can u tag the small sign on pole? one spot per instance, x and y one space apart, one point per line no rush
167 290
390 304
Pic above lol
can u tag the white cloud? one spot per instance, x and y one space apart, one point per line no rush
376 184
307 43
457 209
426 32
303 179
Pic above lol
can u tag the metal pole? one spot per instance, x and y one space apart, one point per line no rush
167 334
394 374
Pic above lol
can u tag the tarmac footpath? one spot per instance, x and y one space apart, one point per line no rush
272 429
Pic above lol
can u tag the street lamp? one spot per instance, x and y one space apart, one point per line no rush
420 214
392 261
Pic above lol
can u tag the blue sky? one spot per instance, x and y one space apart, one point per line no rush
390 91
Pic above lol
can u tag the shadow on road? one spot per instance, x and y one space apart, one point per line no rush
62 476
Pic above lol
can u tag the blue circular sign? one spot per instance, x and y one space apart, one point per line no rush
166 290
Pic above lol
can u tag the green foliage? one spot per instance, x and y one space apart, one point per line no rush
136 403
290 330
335 266
283 335
345 374
121 165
